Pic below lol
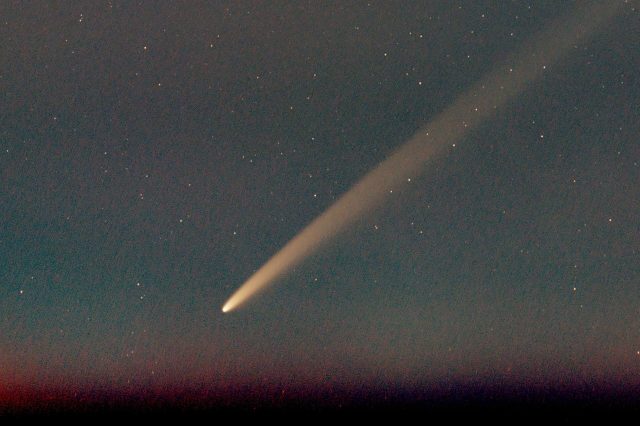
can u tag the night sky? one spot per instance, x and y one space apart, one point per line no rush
153 155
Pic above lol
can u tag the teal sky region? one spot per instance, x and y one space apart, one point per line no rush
154 155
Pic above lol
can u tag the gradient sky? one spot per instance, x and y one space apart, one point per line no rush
154 155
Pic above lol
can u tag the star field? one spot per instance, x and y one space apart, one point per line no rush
154 155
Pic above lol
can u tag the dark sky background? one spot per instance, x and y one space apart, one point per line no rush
153 155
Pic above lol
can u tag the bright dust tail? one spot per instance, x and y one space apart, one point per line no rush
479 103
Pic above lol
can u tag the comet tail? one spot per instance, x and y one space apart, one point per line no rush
479 103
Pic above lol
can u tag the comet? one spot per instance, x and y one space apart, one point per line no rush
442 134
